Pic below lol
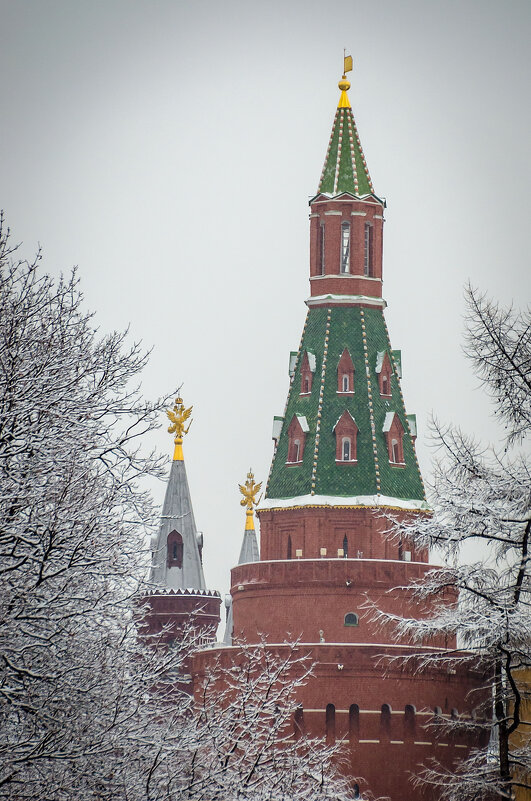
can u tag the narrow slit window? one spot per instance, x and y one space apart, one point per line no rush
296 450
345 546
289 546
367 250
322 248
345 247
345 384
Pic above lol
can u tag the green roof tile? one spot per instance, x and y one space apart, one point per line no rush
327 333
345 169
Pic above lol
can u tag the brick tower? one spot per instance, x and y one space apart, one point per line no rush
344 461
179 600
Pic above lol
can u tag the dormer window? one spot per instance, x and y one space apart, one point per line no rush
307 372
345 247
394 434
367 250
174 548
321 250
345 374
346 432
384 371
297 430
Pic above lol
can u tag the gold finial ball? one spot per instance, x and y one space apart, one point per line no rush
343 84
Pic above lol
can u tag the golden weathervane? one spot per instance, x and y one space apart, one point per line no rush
249 490
178 417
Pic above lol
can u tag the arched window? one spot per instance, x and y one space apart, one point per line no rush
385 385
356 789
330 724
306 384
346 449
354 723
297 430
345 373
345 247
174 545
322 248
346 433
409 722
289 546
385 722
351 619
298 723
345 546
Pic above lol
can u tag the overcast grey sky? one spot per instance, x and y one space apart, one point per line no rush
169 149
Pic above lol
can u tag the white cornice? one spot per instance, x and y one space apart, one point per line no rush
345 300
371 501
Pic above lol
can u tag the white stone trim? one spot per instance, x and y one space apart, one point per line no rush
371 501
346 300
333 213
358 213
345 275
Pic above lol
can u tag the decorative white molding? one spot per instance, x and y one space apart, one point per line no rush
372 501
333 213
358 214
345 300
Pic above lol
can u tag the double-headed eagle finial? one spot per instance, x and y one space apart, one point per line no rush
250 490
178 417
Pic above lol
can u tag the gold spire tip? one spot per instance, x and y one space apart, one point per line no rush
343 84
178 417
250 490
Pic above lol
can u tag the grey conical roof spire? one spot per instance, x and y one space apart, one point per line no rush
176 561
249 550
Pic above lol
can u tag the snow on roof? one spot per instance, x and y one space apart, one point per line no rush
343 501
380 356
311 360
277 426
412 421
303 423
389 417
292 362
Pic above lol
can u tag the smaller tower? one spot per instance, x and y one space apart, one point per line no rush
249 550
179 601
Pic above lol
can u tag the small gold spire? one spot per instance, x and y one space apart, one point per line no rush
178 416
249 490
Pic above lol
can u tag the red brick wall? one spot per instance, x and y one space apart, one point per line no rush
332 281
313 528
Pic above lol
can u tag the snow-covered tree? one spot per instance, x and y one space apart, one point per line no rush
241 742
72 525
482 498
89 706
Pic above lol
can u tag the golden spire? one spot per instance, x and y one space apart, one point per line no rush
178 416
343 84
249 490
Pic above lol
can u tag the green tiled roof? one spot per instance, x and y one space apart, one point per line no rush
327 333
345 169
